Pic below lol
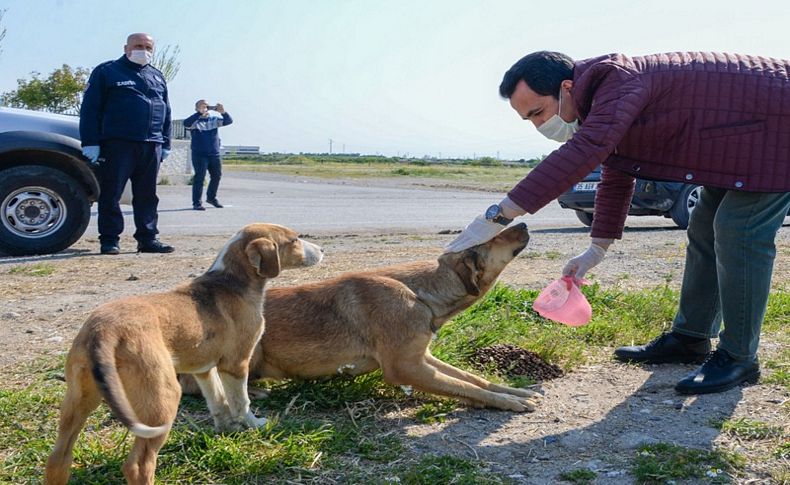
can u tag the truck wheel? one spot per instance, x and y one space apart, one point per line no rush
585 217
43 210
685 203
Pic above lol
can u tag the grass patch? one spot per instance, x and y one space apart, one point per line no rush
37 269
435 411
462 175
749 429
505 315
582 476
661 462
433 470
783 450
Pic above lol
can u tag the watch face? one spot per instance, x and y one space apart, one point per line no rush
492 212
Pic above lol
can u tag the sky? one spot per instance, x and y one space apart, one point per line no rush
396 78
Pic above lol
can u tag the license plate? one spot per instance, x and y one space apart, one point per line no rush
585 187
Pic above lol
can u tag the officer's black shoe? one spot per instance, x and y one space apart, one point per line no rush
719 373
667 348
110 248
154 246
215 203
198 207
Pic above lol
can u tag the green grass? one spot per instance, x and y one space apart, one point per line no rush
472 176
435 470
659 463
435 411
581 476
749 429
37 269
505 315
334 429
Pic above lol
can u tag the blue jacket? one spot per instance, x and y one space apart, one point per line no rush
126 101
204 132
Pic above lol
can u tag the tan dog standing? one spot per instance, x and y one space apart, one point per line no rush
385 318
129 351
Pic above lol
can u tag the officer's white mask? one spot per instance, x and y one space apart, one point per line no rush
141 56
557 129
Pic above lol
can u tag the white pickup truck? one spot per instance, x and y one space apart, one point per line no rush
46 185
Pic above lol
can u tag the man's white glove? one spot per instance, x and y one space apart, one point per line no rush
165 153
477 232
91 152
578 266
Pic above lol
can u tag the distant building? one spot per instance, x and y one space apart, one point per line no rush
240 150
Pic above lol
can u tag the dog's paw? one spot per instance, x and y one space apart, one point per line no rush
517 404
254 422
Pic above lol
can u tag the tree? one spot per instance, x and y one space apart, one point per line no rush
61 92
167 61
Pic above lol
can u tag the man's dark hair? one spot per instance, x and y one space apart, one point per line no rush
543 71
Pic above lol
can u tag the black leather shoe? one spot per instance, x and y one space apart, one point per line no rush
665 349
719 373
198 207
155 246
110 248
215 203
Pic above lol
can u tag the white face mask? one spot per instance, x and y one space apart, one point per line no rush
557 129
141 57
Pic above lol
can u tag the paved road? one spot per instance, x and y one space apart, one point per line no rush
315 207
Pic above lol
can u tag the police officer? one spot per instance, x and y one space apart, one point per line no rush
125 126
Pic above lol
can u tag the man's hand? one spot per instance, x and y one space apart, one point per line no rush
220 108
91 152
165 153
578 266
477 232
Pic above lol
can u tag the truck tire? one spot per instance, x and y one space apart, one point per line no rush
43 210
685 203
585 217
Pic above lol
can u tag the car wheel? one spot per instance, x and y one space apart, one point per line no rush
43 210
684 205
585 217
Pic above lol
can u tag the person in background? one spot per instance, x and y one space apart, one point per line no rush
204 131
718 120
125 128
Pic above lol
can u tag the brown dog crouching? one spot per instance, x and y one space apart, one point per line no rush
129 351
385 318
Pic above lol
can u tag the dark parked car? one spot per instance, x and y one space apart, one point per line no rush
46 185
674 200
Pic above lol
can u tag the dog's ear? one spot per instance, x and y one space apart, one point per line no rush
263 256
470 271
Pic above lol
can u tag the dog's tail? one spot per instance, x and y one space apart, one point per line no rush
105 372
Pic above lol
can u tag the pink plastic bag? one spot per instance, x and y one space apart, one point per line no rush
563 302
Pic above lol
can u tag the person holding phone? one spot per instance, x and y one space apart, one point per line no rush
204 131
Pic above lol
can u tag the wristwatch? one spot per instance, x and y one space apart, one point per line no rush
494 214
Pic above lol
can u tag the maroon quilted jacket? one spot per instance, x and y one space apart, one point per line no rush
720 120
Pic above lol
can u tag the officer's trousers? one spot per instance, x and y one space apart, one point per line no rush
138 162
729 263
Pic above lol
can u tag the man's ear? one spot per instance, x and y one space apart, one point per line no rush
470 271
263 256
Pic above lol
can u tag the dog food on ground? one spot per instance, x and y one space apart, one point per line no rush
514 361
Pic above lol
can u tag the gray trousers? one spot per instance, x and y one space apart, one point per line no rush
729 263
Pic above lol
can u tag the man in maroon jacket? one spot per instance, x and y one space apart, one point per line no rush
718 120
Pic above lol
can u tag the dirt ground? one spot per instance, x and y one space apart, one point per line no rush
592 418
